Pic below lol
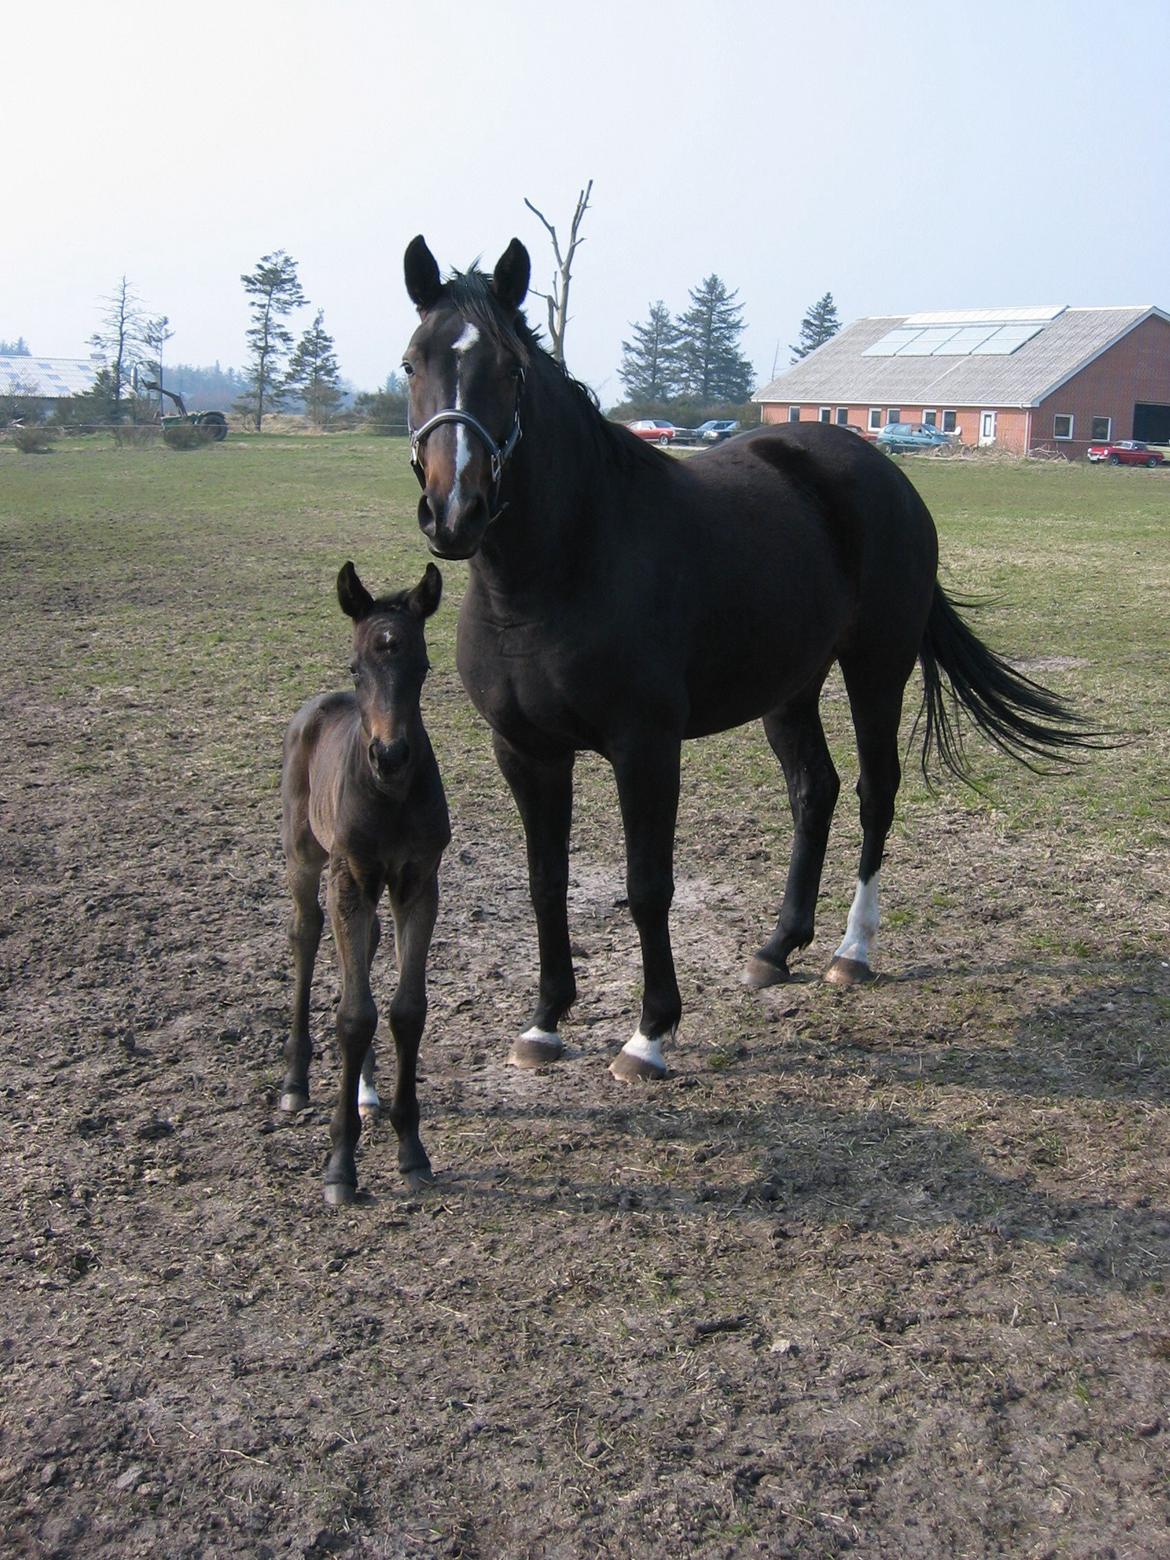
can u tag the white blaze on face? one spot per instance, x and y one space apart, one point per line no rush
862 928
468 337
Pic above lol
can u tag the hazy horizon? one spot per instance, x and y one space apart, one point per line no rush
909 162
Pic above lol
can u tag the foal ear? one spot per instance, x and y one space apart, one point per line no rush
423 282
510 278
355 599
424 598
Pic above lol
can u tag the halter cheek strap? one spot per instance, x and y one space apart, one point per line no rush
500 453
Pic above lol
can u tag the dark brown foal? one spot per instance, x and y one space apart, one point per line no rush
361 796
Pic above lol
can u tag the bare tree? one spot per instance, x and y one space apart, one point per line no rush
558 299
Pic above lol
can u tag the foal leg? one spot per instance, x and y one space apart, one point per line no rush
648 781
877 711
543 788
304 937
798 741
369 1104
414 921
351 910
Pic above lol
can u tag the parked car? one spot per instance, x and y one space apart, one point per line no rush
714 430
654 429
905 438
1126 452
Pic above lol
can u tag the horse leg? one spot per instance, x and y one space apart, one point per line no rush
414 921
648 781
877 710
351 909
369 1103
543 788
798 740
304 935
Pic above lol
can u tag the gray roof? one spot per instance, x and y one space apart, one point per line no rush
47 378
839 372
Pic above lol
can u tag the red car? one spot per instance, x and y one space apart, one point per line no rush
1126 452
653 428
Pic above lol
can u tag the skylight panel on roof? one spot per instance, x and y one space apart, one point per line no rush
964 340
892 342
1006 339
929 341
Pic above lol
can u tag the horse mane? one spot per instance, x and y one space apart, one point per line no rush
470 292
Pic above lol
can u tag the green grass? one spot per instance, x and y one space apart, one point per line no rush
197 591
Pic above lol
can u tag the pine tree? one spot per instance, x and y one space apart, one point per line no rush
313 372
649 361
275 292
819 325
711 368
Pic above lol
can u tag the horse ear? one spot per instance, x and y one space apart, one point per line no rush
424 598
355 599
510 278
423 282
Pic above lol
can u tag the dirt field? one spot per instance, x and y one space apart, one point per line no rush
877 1272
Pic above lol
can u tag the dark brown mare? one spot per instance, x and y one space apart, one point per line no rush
361 796
621 601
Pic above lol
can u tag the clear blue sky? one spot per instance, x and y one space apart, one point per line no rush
904 158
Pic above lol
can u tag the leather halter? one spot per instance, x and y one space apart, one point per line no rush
500 452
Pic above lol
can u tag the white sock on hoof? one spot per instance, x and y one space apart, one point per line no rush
536 1033
862 928
367 1095
645 1050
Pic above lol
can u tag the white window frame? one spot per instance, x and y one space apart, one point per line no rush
1064 438
1107 436
794 414
842 417
875 419
986 437
825 414
893 414
954 416
929 418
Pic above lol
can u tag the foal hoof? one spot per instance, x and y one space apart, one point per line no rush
420 1178
535 1047
759 972
849 972
292 1101
369 1110
339 1194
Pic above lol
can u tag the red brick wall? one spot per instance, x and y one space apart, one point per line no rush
1136 369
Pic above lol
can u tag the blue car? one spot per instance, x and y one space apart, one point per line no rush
905 438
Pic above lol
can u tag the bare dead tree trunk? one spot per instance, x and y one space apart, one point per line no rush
558 299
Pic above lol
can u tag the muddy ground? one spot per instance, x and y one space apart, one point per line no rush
879 1272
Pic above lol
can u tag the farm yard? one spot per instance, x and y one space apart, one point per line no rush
879 1272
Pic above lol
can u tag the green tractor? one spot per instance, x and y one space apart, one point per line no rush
214 422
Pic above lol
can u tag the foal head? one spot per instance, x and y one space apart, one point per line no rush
389 665
465 366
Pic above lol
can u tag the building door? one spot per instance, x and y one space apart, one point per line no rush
987 427
1151 422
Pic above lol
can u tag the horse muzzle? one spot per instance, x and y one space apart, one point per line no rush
454 527
390 764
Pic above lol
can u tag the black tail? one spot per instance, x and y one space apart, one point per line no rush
1020 716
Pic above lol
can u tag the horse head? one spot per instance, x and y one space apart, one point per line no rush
389 665
465 367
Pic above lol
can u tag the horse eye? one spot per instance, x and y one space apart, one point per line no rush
353 668
408 369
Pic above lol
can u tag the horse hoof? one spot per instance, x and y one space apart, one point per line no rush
369 1111
420 1178
339 1194
849 972
293 1101
536 1047
759 972
636 1069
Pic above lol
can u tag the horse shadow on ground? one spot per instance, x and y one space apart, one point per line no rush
971 1159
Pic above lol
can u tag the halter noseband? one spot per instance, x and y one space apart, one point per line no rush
500 453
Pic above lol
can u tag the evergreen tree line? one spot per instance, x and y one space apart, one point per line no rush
691 359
